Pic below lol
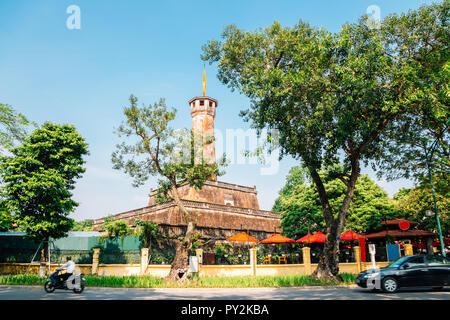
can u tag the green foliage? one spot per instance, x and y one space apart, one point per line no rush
6 220
160 150
13 129
196 242
370 206
228 254
85 225
301 210
118 228
147 231
413 203
13 126
176 158
348 94
38 179
161 258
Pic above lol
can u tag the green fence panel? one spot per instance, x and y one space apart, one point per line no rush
119 257
73 243
121 244
15 248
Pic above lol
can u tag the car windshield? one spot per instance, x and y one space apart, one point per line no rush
397 263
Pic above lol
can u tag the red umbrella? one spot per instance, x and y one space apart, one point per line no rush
277 238
353 236
317 237
243 237
305 238
350 236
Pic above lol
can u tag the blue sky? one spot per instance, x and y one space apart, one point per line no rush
151 49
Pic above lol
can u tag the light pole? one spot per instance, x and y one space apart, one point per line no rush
428 157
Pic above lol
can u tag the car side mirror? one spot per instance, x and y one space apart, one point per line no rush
405 266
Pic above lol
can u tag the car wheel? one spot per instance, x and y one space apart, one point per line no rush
389 285
49 287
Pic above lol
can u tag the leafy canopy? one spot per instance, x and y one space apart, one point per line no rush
301 211
159 150
413 203
326 92
339 97
13 126
147 231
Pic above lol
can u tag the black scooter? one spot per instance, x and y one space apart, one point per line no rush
75 282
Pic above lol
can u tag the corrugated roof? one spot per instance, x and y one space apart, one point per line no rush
400 233
397 221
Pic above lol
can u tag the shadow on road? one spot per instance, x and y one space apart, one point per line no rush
310 293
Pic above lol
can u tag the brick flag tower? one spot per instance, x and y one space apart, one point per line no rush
220 209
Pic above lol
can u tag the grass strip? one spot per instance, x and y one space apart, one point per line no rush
193 281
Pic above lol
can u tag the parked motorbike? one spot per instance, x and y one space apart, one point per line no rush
75 282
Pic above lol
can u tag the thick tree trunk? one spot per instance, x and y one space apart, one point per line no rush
44 257
180 264
328 266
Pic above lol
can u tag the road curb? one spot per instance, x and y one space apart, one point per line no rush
163 288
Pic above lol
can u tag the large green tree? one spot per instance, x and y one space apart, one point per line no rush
337 95
13 129
38 178
301 212
157 150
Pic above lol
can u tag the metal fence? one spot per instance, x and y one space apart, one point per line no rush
14 247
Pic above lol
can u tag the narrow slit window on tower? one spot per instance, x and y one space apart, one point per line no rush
202 102
210 103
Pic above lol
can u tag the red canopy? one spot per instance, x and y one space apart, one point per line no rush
350 236
353 236
277 238
317 237
243 237
305 238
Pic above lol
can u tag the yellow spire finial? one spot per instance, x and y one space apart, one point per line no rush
204 80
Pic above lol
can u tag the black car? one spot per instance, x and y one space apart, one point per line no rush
411 271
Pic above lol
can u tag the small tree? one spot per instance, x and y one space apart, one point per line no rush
85 225
117 228
147 231
38 179
159 151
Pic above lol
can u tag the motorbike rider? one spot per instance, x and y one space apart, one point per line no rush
70 268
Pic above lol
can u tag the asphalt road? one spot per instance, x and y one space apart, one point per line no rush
303 293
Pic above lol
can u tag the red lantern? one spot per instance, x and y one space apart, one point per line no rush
404 225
